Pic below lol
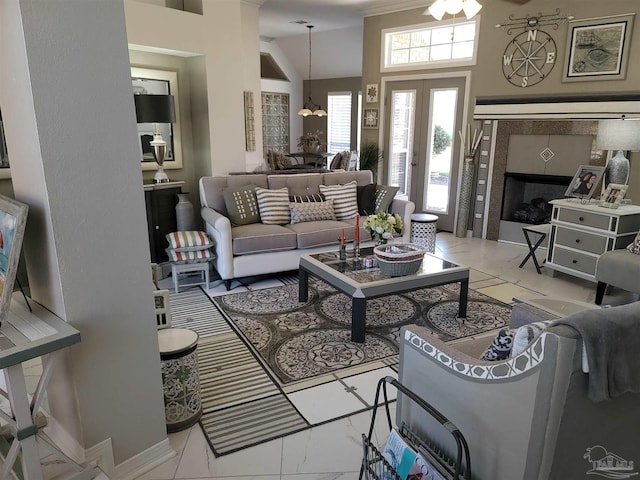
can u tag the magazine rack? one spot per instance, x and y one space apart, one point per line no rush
376 467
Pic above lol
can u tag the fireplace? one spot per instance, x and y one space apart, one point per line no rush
526 196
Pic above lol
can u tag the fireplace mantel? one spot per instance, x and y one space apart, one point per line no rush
575 107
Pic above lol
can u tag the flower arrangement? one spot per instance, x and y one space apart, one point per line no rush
309 141
382 226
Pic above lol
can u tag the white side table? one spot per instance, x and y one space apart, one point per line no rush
180 377
423 230
177 269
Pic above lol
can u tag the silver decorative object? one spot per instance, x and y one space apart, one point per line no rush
466 190
620 135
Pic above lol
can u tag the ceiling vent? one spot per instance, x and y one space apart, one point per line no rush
270 69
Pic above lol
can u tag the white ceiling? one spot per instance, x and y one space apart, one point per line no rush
338 27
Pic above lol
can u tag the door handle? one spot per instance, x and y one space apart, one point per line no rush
414 164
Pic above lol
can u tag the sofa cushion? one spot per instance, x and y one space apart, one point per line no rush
384 197
362 177
500 347
345 199
259 238
298 184
634 247
367 199
311 211
274 205
320 233
187 241
241 204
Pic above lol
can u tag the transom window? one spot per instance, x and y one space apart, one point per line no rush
430 45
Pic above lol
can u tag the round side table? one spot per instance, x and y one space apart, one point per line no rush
180 377
423 230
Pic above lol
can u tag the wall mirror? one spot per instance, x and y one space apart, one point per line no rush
158 82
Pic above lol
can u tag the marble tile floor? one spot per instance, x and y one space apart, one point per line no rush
334 450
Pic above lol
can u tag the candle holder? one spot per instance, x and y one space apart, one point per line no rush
343 252
356 251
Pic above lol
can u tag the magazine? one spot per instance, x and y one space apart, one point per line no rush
408 464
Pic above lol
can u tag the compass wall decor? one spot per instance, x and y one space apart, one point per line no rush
531 55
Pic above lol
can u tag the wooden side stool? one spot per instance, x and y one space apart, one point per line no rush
543 231
178 268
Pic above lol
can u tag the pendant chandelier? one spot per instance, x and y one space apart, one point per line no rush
310 107
453 7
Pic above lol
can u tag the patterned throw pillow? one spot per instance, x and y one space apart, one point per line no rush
635 246
384 197
198 256
527 334
345 199
188 241
242 205
274 205
311 211
367 199
312 197
500 347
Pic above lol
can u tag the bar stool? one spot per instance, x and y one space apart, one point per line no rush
423 230
543 231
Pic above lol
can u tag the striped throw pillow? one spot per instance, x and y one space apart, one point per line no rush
188 241
311 211
311 197
199 256
527 334
345 199
273 205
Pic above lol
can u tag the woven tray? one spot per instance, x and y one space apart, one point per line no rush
398 268
400 252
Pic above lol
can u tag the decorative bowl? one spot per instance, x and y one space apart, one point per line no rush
399 259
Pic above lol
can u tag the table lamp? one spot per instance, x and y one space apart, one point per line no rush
156 109
620 134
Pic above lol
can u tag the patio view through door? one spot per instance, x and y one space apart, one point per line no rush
422 145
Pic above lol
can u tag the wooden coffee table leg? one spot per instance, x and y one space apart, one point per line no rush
358 315
303 285
464 294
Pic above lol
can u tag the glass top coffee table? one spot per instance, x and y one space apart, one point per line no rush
361 283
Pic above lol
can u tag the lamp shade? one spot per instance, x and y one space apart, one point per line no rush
155 108
619 134
436 10
471 8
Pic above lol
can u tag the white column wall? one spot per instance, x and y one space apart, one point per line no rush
65 91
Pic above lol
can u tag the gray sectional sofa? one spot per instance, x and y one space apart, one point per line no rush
258 248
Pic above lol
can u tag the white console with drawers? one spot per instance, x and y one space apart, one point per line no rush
580 233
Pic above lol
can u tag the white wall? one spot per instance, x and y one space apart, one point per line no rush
65 91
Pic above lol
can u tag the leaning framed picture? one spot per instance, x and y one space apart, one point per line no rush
613 194
598 48
13 218
585 181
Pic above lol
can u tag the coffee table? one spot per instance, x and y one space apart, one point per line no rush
361 283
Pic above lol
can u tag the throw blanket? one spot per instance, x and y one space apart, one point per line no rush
612 341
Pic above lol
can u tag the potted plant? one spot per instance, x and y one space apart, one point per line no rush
310 142
370 155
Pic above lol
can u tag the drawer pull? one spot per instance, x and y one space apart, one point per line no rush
574 261
577 240
581 219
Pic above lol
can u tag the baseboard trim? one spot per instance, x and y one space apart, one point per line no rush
144 461
101 454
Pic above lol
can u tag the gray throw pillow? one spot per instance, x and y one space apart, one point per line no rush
311 211
242 205
367 199
384 197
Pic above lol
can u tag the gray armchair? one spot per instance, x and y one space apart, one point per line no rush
528 417
618 268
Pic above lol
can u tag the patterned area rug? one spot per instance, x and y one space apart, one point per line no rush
298 342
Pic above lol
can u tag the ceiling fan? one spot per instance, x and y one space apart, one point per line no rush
470 7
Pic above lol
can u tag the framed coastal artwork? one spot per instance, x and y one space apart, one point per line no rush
598 48
13 218
585 181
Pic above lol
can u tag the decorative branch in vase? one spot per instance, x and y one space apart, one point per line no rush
310 142
470 147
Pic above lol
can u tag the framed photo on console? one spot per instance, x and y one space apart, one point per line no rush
13 218
613 195
585 181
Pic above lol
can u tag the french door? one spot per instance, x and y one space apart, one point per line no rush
422 143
